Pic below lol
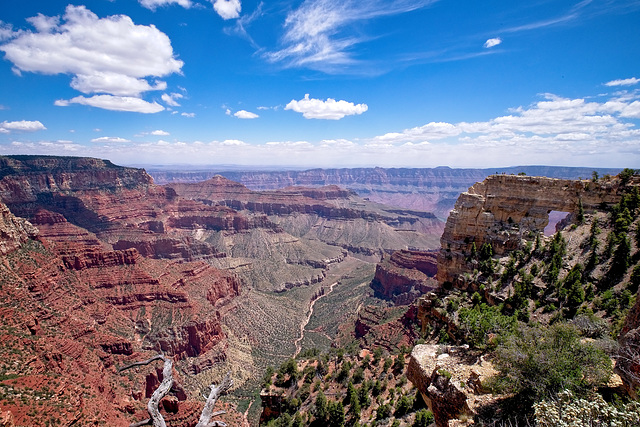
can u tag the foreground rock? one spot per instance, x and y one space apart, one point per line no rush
450 381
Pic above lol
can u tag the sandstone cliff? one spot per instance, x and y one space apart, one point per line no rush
79 298
504 209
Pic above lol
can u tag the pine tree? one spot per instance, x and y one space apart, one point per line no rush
320 411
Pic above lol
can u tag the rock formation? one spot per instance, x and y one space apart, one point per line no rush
423 189
14 231
450 380
78 297
405 275
504 209
328 214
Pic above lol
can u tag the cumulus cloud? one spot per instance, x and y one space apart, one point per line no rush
190 115
227 9
319 33
160 133
623 82
330 109
109 140
110 55
492 42
244 114
554 120
114 103
171 99
21 126
153 4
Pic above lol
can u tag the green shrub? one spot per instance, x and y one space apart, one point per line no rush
479 322
424 418
537 362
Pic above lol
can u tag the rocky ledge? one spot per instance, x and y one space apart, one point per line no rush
450 381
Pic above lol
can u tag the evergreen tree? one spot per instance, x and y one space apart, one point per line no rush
336 414
572 289
621 259
320 410
580 215
352 394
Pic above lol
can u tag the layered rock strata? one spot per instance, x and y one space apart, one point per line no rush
405 275
504 209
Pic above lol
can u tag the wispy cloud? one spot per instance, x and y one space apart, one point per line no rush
109 140
318 34
153 4
171 99
114 103
243 22
623 82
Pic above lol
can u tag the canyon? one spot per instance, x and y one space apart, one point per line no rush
424 189
102 266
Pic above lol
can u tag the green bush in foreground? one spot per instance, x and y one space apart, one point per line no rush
536 362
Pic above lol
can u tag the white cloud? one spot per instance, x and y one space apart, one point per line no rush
114 84
170 99
553 130
114 103
153 4
243 114
190 115
109 139
44 24
21 126
227 112
227 9
6 31
319 33
623 82
105 55
548 125
160 133
492 42
329 109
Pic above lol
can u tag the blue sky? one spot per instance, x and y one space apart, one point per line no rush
323 83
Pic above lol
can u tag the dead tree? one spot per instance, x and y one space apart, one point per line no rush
156 419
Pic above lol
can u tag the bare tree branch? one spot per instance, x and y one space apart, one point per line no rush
161 391
167 382
207 412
